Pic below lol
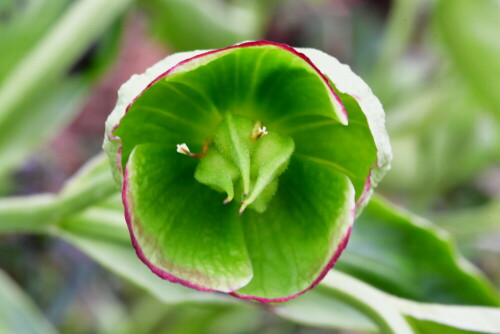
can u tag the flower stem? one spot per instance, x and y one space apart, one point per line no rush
36 213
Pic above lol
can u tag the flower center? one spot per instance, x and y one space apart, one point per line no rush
243 160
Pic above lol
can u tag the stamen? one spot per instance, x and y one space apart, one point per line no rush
184 149
262 131
258 131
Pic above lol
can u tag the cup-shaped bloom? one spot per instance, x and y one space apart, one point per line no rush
242 169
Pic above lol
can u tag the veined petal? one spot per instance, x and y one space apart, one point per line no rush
349 83
299 238
178 230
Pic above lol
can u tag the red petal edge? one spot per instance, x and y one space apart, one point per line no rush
331 263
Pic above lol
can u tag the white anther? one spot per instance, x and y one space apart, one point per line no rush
262 131
258 131
183 149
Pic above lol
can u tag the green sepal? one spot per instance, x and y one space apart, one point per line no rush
233 139
271 157
217 172
240 153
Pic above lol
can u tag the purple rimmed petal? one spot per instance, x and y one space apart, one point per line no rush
187 238
326 269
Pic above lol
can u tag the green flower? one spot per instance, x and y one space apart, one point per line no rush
242 169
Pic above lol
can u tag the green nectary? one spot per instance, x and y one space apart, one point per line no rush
202 136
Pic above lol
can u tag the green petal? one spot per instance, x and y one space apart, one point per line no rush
266 81
349 83
350 149
126 94
297 239
182 233
167 113
260 80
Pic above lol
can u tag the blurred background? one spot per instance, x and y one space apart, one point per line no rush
434 64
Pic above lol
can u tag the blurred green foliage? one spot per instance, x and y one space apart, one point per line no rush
40 82
178 23
469 34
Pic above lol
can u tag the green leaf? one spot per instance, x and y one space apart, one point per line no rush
427 130
56 52
388 312
23 25
44 39
334 304
102 235
18 313
471 318
191 24
469 31
407 256
432 327
321 308
21 132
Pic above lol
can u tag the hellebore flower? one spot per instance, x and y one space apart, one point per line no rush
242 169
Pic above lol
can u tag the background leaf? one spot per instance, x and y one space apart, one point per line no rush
427 318
44 40
409 257
18 314
469 31
222 23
